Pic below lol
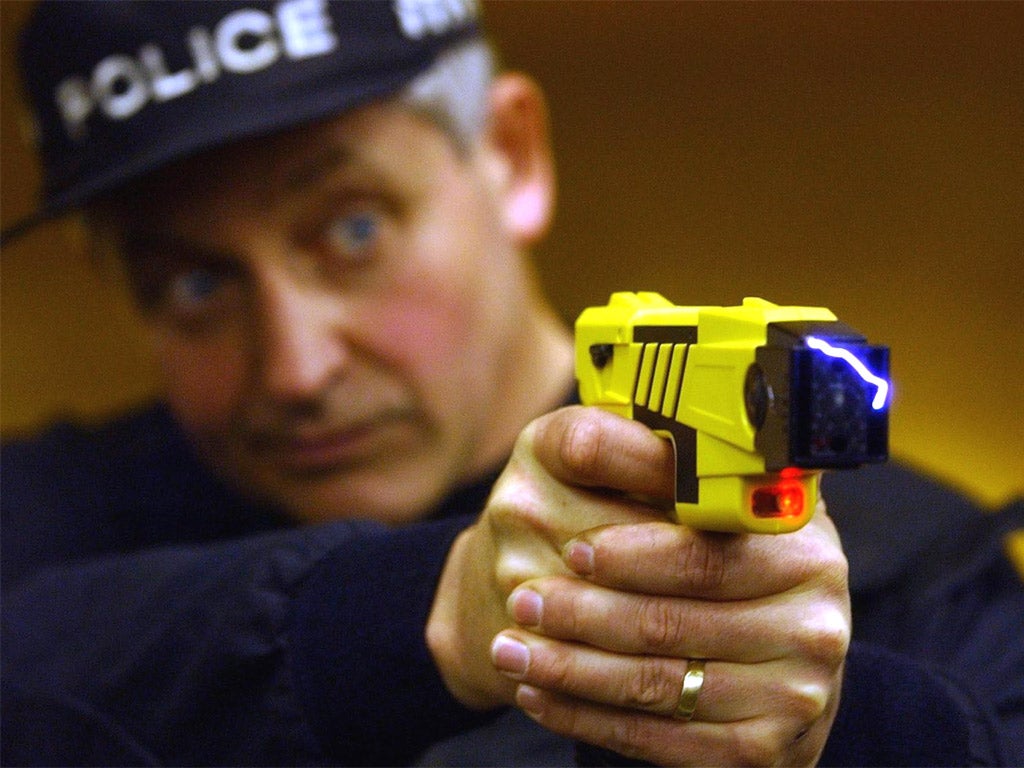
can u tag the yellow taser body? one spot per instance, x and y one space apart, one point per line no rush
683 371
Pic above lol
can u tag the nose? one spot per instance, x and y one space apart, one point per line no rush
301 347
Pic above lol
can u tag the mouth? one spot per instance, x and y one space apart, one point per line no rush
323 451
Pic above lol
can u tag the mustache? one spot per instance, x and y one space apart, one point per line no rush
311 419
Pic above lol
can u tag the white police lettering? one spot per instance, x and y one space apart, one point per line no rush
245 41
203 54
165 85
119 84
420 17
305 29
239 26
75 104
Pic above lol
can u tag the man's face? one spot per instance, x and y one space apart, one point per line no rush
333 309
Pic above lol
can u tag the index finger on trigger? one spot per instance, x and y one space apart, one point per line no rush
592 448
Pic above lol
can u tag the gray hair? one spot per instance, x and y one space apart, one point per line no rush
454 91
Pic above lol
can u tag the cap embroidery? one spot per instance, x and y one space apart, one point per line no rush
244 41
417 18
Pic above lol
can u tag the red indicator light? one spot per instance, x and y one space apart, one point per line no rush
785 499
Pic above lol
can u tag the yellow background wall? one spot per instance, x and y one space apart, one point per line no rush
865 157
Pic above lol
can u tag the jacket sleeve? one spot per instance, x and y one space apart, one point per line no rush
938 617
895 712
296 647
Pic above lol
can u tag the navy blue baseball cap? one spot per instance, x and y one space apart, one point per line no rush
119 88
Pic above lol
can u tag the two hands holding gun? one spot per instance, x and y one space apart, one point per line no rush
700 642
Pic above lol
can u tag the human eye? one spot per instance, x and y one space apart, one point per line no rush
187 296
199 298
353 238
193 291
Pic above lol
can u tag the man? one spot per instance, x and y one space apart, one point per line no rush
363 524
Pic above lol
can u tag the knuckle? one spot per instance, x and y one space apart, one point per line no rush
529 436
512 566
660 624
807 701
516 501
567 718
827 562
754 747
835 569
581 447
500 514
815 558
649 688
515 520
574 613
701 564
509 572
800 703
824 636
558 671
630 736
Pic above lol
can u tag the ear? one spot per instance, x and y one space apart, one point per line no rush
517 139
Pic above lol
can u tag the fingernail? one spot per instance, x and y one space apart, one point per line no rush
526 607
510 656
579 556
529 700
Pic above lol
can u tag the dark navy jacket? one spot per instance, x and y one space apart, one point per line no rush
150 616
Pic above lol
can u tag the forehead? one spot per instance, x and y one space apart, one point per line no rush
382 144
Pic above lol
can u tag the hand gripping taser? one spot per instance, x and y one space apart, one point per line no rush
757 399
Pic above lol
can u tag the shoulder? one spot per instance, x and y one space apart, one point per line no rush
70 447
75 491
76 467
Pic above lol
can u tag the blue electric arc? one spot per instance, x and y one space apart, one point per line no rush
882 391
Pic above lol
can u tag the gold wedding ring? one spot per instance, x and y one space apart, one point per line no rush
693 681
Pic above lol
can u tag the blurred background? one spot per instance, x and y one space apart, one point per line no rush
864 157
